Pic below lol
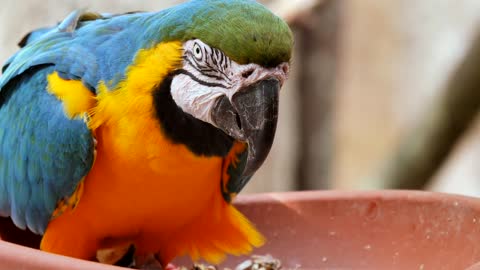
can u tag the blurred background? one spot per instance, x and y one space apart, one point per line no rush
382 94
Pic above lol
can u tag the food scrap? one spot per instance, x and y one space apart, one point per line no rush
256 262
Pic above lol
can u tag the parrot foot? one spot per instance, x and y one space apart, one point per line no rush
150 262
172 267
119 256
95 142
125 256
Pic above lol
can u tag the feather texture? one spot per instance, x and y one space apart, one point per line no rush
43 153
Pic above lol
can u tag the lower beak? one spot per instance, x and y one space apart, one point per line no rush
251 117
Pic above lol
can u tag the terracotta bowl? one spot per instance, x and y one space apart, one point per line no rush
333 230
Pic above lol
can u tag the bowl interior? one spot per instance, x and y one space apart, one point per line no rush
367 230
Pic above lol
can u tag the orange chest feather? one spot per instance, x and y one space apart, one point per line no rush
137 168
145 175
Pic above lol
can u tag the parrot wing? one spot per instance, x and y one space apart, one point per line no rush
52 46
44 151
44 154
86 46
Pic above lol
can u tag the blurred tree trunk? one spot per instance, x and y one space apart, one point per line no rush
317 42
424 149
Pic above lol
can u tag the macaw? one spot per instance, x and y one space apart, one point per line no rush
141 128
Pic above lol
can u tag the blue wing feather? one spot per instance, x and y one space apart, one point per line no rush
110 41
43 154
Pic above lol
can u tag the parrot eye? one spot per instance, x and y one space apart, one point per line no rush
197 51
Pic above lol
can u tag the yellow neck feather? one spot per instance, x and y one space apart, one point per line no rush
134 93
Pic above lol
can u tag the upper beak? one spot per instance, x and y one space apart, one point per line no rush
251 116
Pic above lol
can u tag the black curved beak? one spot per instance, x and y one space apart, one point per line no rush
251 117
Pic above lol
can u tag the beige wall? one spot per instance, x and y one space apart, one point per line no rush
396 56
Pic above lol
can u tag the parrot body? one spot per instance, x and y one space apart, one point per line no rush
141 128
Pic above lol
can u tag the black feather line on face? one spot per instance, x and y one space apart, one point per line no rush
209 84
201 138
205 71
210 63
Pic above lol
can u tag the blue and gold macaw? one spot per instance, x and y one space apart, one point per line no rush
141 128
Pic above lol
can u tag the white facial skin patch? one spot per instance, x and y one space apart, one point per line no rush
208 74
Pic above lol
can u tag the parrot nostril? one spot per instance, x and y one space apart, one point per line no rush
247 73
239 122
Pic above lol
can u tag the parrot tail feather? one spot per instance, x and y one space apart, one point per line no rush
215 234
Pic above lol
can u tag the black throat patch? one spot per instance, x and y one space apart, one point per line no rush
200 137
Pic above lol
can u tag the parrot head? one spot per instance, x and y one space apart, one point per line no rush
235 59
239 99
